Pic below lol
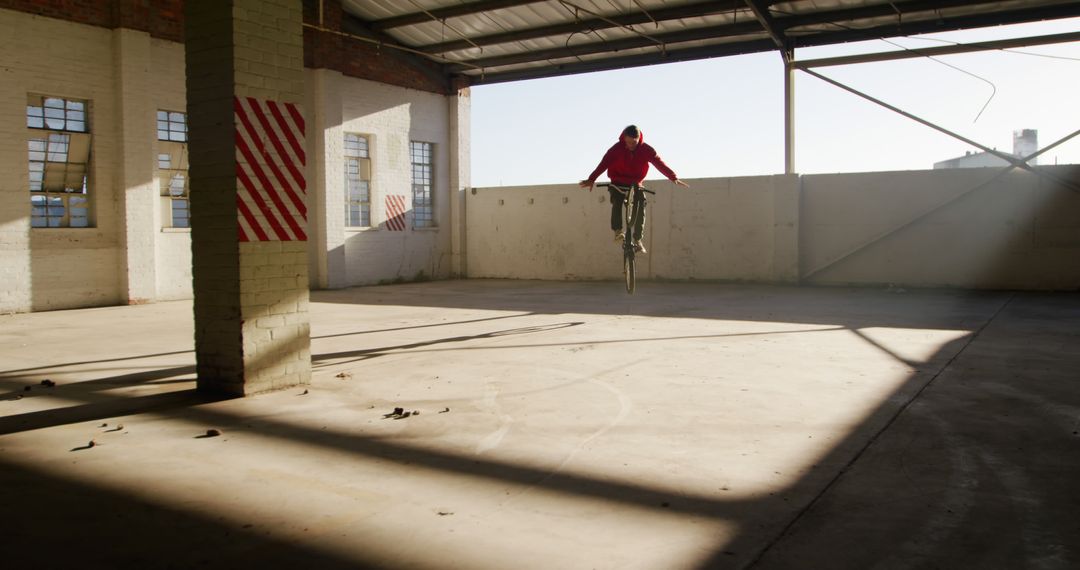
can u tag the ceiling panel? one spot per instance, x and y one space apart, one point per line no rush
500 40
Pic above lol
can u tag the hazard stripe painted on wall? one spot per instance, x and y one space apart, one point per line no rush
271 196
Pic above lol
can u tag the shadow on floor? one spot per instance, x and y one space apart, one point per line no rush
972 464
61 522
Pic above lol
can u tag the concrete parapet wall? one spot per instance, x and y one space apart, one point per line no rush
970 228
719 229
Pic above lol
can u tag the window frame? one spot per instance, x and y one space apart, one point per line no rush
59 164
360 164
171 164
426 185
177 134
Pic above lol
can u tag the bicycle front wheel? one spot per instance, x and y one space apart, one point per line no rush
629 271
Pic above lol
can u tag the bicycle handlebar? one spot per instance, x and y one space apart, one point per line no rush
606 184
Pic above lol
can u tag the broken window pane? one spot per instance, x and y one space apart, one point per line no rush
56 113
177 185
58 148
79 212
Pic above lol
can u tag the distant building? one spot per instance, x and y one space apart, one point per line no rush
1025 143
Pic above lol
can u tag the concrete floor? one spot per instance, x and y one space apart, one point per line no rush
689 426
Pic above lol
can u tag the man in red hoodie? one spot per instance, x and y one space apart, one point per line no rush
627 163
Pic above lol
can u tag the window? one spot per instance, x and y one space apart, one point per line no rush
172 170
171 126
357 181
420 155
58 152
56 114
172 167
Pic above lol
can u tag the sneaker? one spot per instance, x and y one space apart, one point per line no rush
639 247
619 236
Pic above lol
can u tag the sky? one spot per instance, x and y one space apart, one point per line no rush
724 117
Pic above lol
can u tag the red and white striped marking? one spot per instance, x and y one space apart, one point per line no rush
271 190
395 213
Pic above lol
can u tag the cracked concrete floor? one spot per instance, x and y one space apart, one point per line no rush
561 425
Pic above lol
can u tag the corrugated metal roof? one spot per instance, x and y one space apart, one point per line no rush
501 40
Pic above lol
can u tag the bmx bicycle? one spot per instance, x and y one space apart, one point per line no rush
633 209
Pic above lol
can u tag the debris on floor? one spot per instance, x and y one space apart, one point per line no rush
343 375
92 443
304 393
401 413
48 383
212 433
445 410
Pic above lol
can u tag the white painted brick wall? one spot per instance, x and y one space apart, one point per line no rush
70 267
173 247
14 203
393 116
138 197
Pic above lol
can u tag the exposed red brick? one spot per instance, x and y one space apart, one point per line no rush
322 49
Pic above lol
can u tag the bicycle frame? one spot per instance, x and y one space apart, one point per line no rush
631 213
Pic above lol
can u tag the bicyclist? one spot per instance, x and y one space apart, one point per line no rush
627 163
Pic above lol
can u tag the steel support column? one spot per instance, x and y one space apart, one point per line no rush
789 113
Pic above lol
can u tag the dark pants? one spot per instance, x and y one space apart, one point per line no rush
617 198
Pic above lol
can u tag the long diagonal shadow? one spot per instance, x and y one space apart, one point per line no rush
185 408
16 372
127 531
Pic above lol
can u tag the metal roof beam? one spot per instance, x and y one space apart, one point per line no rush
439 14
661 15
711 32
936 51
761 12
606 64
907 9
908 28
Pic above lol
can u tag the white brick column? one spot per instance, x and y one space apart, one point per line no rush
15 268
460 177
248 194
135 169
327 171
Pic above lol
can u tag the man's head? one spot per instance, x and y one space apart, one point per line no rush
630 137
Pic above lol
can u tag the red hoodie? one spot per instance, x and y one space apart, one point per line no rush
630 167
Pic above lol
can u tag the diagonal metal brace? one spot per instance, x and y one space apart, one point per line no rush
1012 160
929 211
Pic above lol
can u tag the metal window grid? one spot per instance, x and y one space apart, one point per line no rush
171 126
420 155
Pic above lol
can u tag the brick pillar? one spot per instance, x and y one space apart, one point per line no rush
460 177
248 194
140 199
